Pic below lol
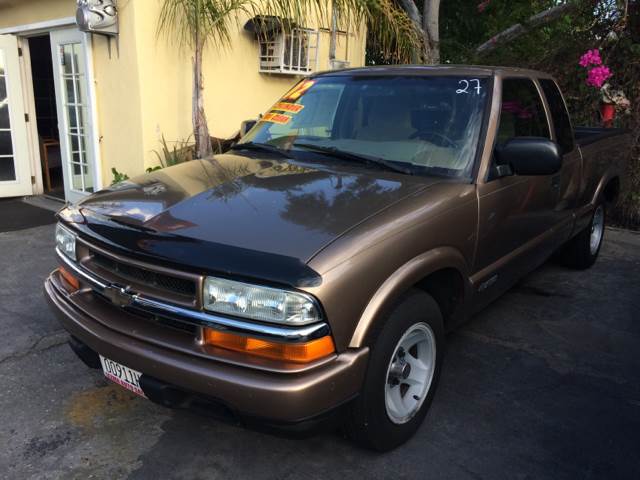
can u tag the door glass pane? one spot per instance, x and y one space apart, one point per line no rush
522 113
79 69
75 120
75 143
73 77
70 86
67 60
7 169
6 148
559 113
4 103
7 165
76 177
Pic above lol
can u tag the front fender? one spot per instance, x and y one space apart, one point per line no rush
404 278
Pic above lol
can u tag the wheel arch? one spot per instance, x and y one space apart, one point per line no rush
608 189
611 190
441 272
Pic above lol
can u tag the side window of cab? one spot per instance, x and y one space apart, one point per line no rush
561 121
522 113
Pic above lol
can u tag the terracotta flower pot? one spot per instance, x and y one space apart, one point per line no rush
608 113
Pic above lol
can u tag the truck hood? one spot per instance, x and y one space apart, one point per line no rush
241 215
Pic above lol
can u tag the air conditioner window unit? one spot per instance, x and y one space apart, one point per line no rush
293 52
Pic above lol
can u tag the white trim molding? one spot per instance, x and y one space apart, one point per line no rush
39 27
30 109
91 80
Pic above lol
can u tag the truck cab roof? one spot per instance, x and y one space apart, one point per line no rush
479 70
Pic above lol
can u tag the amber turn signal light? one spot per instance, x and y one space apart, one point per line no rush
289 352
72 281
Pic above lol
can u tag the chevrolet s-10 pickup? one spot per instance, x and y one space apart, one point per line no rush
312 271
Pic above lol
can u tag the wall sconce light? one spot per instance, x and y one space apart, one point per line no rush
97 16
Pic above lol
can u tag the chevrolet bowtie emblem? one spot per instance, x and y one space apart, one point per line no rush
118 296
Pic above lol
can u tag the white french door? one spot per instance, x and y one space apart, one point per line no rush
69 52
15 170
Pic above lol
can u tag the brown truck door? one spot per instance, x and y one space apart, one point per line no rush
568 181
516 213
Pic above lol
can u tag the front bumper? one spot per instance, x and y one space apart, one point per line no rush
283 397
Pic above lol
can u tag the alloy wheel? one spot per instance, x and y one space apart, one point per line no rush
410 373
597 230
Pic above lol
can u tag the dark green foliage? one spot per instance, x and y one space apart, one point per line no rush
556 48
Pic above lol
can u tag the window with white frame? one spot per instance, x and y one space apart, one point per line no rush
293 52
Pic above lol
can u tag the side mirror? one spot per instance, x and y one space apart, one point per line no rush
246 126
528 156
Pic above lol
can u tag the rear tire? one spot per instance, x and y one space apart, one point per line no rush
404 369
582 250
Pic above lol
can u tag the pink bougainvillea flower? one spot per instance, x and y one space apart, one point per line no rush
511 106
591 57
515 107
598 75
483 5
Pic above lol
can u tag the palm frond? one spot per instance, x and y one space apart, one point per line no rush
213 19
392 29
388 25
210 20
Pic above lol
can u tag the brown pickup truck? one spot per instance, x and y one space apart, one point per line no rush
313 270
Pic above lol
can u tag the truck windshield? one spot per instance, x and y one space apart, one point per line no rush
424 124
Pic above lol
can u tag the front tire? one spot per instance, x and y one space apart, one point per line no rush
582 250
404 368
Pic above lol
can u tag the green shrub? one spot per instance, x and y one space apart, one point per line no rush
118 176
181 152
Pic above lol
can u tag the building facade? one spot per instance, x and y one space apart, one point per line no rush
74 105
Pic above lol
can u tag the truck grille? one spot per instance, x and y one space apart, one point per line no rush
130 273
179 288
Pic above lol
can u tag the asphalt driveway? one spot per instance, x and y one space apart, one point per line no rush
545 383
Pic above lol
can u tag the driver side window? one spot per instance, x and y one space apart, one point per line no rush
522 113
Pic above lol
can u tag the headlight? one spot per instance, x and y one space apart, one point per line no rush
259 303
66 241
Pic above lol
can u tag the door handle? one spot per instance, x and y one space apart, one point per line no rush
555 182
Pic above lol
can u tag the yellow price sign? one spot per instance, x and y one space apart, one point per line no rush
273 117
297 91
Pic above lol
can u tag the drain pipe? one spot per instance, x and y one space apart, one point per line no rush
333 36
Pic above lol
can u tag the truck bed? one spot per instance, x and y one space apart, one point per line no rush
587 135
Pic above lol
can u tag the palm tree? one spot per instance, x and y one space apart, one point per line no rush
196 23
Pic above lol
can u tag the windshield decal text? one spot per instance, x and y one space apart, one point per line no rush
466 84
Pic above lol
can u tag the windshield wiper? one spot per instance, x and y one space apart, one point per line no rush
342 154
265 147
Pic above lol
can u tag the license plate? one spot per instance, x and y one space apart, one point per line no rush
122 375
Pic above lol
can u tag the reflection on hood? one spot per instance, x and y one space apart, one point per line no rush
272 206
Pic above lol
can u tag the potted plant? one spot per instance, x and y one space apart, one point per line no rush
611 100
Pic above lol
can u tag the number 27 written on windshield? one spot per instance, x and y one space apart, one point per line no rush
465 84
